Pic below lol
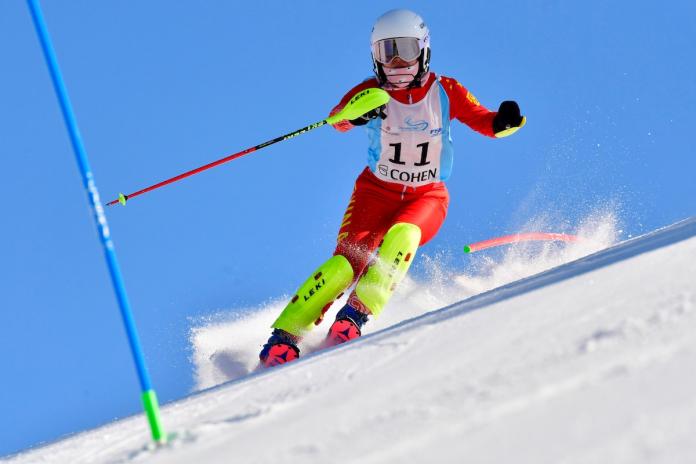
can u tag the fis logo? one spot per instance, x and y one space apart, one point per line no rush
411 125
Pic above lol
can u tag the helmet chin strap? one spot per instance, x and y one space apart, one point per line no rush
423 67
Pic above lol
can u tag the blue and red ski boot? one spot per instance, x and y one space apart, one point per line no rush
346 327
280 348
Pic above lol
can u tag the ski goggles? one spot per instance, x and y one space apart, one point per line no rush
406 48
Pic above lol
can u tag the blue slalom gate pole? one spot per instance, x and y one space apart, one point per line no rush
148 396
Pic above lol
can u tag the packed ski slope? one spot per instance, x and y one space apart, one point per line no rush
591 361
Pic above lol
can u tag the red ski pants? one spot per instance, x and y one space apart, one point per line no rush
376 205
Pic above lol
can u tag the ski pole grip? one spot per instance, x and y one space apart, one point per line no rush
359 104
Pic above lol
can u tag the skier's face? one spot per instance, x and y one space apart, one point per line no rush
400 73
398 62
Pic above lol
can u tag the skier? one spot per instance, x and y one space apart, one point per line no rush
400 200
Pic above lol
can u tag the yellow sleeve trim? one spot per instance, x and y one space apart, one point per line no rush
512 130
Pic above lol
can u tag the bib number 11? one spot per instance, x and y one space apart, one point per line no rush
397 154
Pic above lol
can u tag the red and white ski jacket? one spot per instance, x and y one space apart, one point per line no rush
412 146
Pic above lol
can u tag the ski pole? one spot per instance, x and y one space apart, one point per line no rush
361 103
516 238
148 396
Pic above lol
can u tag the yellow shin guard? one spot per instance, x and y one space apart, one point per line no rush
322 288
394 257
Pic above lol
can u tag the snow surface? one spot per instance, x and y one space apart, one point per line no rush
588 362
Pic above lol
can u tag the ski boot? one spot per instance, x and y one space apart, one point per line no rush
280 348
346 326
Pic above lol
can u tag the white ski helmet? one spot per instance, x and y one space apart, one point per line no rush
400 33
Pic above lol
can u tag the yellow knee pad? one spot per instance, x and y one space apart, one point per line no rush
322 288
394 257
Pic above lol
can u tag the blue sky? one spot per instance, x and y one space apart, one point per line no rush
161 87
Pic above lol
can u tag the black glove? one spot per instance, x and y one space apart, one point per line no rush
372 114
508 116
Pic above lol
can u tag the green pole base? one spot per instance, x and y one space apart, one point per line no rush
467 249
152 410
